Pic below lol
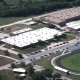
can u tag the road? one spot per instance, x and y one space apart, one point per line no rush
71 46
18 22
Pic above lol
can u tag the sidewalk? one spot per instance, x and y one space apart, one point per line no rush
12 51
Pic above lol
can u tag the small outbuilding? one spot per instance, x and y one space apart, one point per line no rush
19 70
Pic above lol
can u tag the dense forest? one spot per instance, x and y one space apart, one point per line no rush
33 7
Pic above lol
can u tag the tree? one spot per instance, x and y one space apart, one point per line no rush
38 76
20 56
3 77
1 0
47 72
40 42
20 1
68 73
56 75
51 26
19 77
0 77
4 2
63 36
6 52
30 69
29 7
2 29
56 37
29 78
23 64
13 65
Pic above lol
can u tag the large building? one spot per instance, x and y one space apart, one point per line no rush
74 25
61 17
31 37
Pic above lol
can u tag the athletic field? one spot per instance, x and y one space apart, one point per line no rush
71 62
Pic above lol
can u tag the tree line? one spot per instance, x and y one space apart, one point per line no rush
34 7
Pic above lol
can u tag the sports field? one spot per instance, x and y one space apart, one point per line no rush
72 62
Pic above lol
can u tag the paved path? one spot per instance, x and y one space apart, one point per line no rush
65 78
5 66
12 51
18 22
8 57
71 46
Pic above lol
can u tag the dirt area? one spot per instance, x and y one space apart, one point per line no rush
8 73
4 61
14 28
11 55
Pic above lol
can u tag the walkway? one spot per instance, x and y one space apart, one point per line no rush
12 51
5 67
9 57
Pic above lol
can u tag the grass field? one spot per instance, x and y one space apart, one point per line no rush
72 62
31 49
10 75
15 27
4 21
74 77
11 55
4 61
37 26
8 20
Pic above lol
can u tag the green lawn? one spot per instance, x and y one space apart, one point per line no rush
70 36
8 20
37 26
72 62
5 61
31 49
74 77
4 21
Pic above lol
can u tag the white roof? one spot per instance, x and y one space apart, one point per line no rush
2 35
21 31
29 23
22 75
74 24
32 37
21 70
